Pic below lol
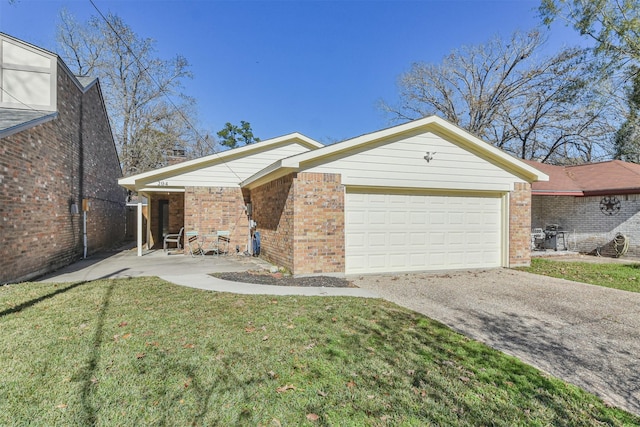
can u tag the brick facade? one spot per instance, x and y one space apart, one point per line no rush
587 225
319 242
273 211
211 209
46 169
520 225
300 218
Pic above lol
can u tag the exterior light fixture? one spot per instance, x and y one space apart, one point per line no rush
429 156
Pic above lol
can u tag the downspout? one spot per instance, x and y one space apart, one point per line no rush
85 204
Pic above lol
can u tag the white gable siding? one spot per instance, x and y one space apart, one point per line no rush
231 172
27 77
401 164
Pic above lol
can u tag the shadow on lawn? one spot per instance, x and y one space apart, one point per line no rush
87 374
558 350
18 308
451 371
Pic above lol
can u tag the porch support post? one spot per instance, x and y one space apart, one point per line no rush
139 222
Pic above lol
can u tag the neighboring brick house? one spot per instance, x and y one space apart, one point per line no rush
591 202
56 150
425 195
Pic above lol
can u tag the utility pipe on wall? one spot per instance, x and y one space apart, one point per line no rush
84 232
139 232
85 209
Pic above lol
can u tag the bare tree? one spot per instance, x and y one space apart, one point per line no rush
148 112
534 107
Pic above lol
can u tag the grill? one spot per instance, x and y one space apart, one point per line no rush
552 237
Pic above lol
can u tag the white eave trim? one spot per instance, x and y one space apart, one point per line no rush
161 190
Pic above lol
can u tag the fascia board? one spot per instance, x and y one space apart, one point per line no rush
161 190
612 192
274 171
127 183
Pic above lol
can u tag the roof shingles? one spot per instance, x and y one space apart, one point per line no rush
12 119
610 177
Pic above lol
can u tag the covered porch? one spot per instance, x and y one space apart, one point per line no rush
204 211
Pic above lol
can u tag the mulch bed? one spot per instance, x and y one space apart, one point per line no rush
279 279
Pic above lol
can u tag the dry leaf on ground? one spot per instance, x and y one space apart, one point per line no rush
285 387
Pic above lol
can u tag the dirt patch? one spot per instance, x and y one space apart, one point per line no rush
279 279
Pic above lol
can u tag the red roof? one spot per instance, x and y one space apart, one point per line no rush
591 179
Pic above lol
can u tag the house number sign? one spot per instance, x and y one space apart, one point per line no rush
610 205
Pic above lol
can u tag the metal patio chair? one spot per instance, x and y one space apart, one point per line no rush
173 238
193 243
224 237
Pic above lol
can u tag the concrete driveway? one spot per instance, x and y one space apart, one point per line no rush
587 335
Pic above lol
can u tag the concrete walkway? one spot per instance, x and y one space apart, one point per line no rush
587 335
184 270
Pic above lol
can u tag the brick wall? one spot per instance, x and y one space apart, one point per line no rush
588 227
520 225
100 172
301 222
273 211
46 169
319 224
211 209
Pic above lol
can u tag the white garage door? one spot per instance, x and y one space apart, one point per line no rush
409 232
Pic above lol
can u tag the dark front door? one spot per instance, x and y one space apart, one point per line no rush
163 219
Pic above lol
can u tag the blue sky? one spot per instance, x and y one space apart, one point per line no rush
315 67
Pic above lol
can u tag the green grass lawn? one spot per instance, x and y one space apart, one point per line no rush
142 351
612 275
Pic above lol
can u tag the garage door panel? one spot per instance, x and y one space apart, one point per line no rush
417 238
380 199
436 258
377 240
397 240
398 218
417 260
437 239
397 260
437 218
355 218
377 259
358 262
418 218
356 240
378 217
457 238
405 232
